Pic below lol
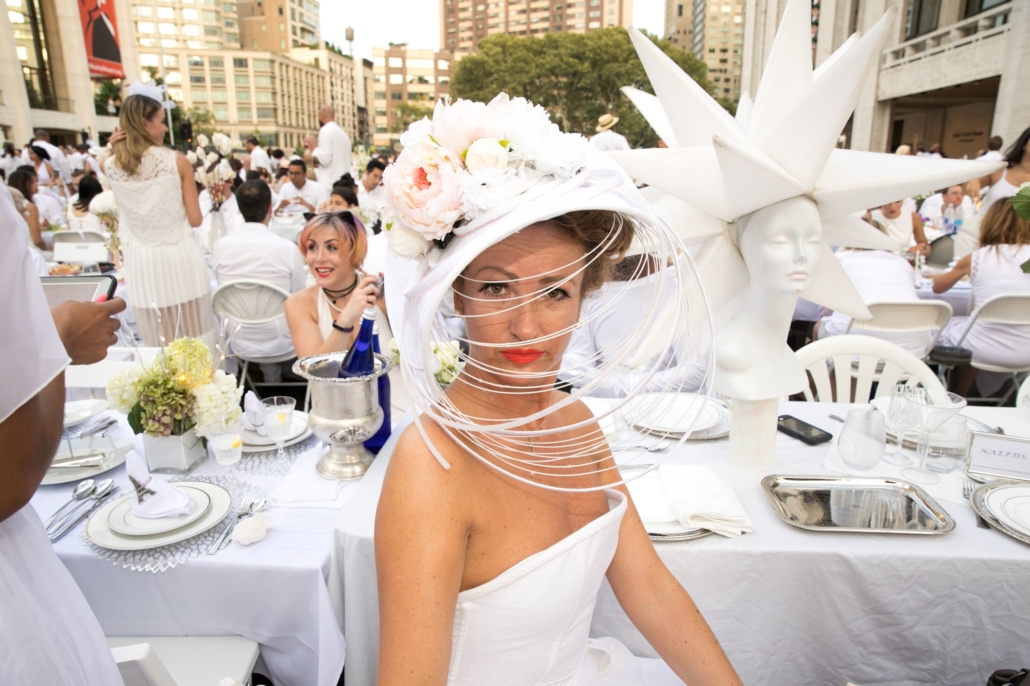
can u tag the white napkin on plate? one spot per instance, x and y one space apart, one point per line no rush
254 414
166 501
305 487
700 499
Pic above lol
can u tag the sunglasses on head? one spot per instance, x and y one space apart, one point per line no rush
344 215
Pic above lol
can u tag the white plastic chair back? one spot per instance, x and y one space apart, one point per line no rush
907 316
840 351
78 237
249 302
97 375
140 666
1002 309
1023 395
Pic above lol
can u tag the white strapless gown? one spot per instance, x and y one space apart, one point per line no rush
531 624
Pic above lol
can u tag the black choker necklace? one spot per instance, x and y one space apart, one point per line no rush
335 295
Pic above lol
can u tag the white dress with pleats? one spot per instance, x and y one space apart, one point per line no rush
531 624
169 286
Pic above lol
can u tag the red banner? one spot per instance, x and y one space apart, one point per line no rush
100 29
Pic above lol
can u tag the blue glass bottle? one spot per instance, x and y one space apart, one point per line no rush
360 360
375 444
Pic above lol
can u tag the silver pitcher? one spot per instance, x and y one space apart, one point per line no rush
344 412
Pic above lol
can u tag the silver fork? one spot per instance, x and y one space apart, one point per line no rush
245 505
967 492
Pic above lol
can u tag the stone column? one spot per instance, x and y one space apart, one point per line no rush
1012 110
71 69
15 110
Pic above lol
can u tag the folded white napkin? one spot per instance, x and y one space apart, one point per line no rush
700 499
252 529
305 487
166 500
254 414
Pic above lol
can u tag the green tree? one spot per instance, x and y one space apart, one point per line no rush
406 113
576 77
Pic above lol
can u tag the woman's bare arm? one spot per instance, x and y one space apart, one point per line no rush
420 535
189 191
35 233
945 281
922 244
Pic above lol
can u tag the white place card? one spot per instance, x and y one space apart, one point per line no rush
999 457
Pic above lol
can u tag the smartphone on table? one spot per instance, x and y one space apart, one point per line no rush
92 288
803 431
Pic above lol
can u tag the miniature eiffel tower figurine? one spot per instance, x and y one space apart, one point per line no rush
141 489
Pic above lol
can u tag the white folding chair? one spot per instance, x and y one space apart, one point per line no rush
253 302
1023 396
1011 310
906 317
838 352
183 661
80 246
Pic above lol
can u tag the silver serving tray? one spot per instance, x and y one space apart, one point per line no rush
685 536
978 500
855 504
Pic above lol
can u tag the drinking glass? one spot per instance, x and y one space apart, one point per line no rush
900 418
228 447
948 445
933 412
279 420
863 439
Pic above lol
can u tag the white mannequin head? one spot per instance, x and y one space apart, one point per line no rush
781 245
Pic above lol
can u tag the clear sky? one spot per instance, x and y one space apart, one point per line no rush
417 22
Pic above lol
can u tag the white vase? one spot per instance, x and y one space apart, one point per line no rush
174 454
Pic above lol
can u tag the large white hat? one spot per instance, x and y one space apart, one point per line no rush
153 91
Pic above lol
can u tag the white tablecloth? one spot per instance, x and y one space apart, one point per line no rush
790 606
273 592
958 296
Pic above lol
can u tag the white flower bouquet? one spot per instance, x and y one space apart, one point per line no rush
447 360
105 208
181 391
468 161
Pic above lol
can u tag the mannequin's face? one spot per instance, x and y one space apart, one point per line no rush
782 245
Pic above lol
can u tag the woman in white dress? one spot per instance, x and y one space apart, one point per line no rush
1005 182
486 577
993 269
49 181
168 282
23 181
904 228
79 216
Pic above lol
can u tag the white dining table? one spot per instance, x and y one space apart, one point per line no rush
789 606
958 296
273 591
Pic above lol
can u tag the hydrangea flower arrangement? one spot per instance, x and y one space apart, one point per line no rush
468 160
181 391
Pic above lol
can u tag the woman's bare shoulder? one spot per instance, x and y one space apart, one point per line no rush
301 301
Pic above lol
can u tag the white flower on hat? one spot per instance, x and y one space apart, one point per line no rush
405 242
223 144
211 158
486 153
225 171
423 188
202 140
192 157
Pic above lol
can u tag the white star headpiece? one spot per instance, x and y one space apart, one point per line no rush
153 91
719 168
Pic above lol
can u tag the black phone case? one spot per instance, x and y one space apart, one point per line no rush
822 437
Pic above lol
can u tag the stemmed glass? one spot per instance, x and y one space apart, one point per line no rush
901 416
932 412
279 420
228 447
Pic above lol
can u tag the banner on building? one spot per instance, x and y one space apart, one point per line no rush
99 28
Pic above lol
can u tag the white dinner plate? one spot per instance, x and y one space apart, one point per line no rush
114 450
78 411
1010 505
123 520
660 413
254 439
99 531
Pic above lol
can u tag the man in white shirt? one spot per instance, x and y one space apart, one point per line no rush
994 153
300 195
254 253
57 159
934 207
370 190
48 632
607 140
332 157
258 155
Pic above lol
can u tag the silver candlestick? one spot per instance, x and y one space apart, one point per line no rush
344 412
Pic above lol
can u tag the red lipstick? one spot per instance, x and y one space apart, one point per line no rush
522 355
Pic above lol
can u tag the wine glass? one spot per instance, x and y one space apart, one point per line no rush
863 439
932 412
279 420
228 447
948 446
900 418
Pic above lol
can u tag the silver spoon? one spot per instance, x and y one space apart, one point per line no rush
81 492
651 448
101 489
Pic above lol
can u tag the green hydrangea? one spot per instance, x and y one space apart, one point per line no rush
189 362
166 406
